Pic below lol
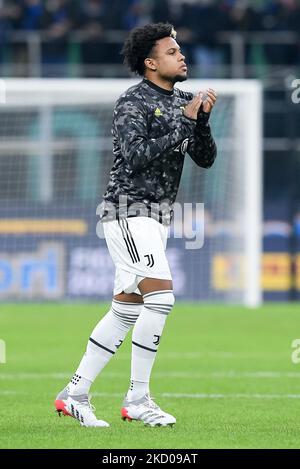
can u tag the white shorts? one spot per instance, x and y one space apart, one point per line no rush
137 246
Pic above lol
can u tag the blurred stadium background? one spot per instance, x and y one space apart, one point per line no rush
228 39
55 154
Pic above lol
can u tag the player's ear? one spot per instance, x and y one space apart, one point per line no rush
150 63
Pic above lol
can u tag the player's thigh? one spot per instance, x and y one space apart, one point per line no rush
148 285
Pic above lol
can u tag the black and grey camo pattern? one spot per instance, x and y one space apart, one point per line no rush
150 138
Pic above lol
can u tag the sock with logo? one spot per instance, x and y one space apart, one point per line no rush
103 343
145 340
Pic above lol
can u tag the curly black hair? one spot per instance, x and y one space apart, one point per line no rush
140 43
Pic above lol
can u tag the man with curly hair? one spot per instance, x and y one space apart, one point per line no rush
154 126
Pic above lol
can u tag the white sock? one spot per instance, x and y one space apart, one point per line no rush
78 385
104 341
145 340
137 389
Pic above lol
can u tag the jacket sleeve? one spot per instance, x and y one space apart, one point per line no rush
202 147
131 130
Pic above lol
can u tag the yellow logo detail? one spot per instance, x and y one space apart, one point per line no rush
158 112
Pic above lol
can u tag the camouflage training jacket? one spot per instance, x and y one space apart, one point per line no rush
150 138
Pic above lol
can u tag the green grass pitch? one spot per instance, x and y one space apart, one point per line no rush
225 372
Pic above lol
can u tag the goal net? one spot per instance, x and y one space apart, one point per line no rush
55 158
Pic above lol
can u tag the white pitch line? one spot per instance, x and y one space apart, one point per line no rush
232 374
163 374
211 354
209 396
231 396
12 393
183 395
34 376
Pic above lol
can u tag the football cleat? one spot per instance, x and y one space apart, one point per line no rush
147 411
78 407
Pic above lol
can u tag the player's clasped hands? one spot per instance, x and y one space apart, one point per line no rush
207 99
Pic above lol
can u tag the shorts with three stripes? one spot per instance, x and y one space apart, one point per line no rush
137 246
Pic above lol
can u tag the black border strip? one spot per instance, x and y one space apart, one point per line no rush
146 348
101 346
131 237
127 242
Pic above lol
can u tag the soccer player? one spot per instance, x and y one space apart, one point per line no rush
154 125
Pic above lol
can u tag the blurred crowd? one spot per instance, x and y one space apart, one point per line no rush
198 23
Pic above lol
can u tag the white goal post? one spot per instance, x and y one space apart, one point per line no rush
55 155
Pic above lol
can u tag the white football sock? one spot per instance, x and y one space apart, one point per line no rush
104 341
78 385
145 339
137 389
